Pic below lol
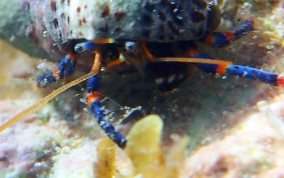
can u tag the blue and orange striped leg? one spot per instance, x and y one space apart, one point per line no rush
221 39
222 67
66 66
227 68
95 105
64 69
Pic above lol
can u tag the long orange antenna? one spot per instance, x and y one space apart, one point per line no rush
42 102
193 60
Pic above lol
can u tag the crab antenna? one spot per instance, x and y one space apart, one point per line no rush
193 60
42 102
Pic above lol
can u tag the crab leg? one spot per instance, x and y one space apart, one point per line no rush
219 39
67 64
95 105
215 66
93 101
64 69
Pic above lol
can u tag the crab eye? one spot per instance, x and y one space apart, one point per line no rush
78 48
130 46
214 17
83 47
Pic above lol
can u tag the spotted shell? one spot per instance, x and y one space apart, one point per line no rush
150 20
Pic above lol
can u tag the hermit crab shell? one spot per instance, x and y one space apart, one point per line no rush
150 20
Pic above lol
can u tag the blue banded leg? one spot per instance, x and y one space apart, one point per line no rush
219 39
67 64
222 67
94 97
240 71
95 105
64 69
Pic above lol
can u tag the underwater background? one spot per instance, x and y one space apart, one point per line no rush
208 127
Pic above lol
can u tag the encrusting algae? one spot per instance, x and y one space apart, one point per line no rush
106 159
144 147
145 151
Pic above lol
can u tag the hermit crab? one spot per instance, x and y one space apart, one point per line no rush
159 35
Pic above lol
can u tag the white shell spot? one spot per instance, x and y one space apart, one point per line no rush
159 81
171 78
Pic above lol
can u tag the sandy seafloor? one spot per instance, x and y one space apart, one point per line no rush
234 127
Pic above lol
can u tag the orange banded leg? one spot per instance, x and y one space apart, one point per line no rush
221 39
67 64
64 69
215 66
95 105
